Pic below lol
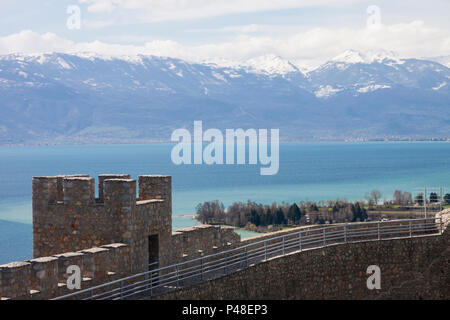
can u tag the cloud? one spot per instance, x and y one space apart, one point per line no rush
29 42
100 6
98 24
307 49
165 10
250 28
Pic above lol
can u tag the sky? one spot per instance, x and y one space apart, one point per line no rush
305 32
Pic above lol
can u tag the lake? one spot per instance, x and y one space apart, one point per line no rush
308 171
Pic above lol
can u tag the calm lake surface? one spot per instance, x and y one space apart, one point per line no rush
308 171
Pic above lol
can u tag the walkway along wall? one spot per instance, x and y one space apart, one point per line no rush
412 268
108 238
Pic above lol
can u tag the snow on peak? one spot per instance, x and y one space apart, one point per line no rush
271 64
353 56
373 87
326 91
349 56
220 62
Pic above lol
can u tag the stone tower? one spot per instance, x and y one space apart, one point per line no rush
67 216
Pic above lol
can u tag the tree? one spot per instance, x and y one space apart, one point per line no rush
362 212
294 213
211 211
279 217
419 198
269 216
255 218
358 211
447 198
407 198
313 207
434 197
376 196
402 198
398 197
369 199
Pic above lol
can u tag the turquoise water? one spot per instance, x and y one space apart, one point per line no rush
245 233
16 241
308 171
180 222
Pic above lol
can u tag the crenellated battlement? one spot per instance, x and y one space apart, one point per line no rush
67 216
189 243
50 189
79 189
155 187
46 277
109 236
103 177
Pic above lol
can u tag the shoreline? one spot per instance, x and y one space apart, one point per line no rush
161 142
184 216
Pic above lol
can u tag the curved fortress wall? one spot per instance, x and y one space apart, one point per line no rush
411 268
115 235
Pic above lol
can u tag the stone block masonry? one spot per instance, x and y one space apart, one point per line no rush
412 268
46 277
110 236
193 242
118 234
101 181
67 216
15 280
44 272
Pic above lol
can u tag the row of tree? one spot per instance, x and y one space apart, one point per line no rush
242 214
245 214
405 198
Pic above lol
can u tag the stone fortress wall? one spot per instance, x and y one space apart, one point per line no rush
118 234
109 237
45 277
410 268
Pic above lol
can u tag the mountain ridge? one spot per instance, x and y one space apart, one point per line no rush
87 98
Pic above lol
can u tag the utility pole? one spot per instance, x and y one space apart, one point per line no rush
437 192
425 201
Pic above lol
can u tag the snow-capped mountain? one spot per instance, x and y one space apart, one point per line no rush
272 64
353 56
58 97
358 73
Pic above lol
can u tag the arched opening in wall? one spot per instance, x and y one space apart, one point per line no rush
153 251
